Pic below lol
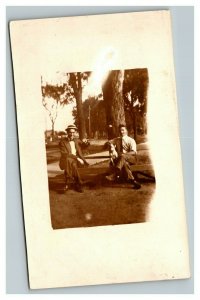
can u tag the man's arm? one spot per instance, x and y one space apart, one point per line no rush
62 147
84 143
80 144
133 147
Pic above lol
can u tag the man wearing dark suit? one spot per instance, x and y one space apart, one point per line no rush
71 158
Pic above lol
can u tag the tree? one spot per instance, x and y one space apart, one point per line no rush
76 81
98 119
94 116
135 87
114 102
53 99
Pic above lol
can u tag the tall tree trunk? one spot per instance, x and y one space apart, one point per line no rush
114 102
52 129
134 124
75 81
82 129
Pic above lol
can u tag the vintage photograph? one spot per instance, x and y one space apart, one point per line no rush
98 158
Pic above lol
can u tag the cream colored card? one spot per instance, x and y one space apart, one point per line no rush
155 249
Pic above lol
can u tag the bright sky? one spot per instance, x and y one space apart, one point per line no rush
93 88
64 118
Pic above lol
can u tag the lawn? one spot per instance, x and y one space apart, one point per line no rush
102 203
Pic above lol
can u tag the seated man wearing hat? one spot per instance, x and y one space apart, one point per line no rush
72 157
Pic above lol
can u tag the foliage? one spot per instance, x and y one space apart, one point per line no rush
77 81
94 116
54 97
135 98
91 116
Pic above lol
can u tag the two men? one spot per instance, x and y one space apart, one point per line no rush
72 158
123 150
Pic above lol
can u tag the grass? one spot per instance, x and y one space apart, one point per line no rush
102 203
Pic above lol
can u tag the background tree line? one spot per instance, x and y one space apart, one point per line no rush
123 100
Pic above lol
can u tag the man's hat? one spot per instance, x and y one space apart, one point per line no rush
71 127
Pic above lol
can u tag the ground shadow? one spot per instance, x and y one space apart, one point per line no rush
102 203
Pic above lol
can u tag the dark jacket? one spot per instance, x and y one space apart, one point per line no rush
65 150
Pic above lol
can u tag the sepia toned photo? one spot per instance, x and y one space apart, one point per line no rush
98 157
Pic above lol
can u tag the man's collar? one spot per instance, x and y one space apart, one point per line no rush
70 140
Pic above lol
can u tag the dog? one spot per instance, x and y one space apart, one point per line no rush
113 154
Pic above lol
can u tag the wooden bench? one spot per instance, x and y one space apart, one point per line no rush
136 168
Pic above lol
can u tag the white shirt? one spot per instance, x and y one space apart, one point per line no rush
73 148
128 144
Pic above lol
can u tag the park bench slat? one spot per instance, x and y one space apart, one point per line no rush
94 157
134 168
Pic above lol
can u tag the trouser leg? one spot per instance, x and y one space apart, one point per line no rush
71 170
128 171
122 163
76 174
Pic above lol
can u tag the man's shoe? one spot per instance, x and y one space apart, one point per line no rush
79 188
136 185
111 177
